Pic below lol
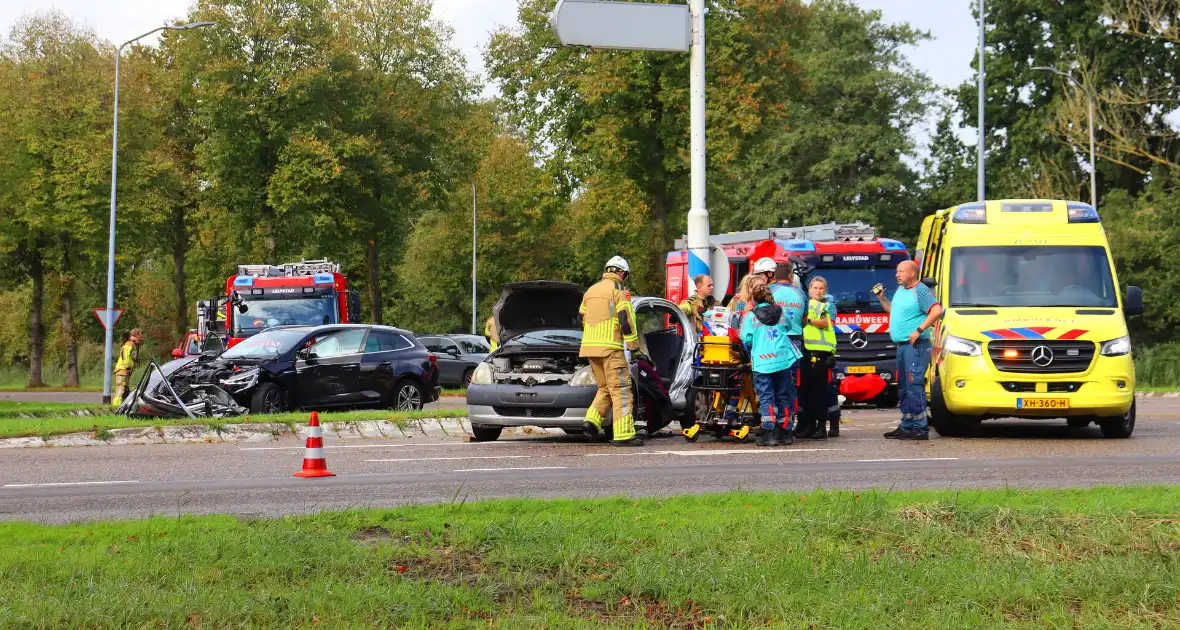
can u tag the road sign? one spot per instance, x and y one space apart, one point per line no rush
108 318
623 25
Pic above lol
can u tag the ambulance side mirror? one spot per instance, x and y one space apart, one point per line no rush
929 282
1133 305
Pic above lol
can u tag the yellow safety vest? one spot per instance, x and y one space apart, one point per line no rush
602 306
489 331
819 339
128 355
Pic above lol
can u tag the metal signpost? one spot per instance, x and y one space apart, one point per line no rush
656 27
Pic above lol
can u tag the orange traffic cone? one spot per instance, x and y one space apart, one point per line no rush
314 463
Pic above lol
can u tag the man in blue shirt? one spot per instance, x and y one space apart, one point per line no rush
912 312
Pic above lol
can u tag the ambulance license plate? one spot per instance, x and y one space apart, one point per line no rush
1042 403
862 369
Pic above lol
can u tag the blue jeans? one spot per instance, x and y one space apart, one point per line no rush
776 390
912 361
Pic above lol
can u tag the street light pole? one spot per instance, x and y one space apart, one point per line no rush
110 331
981 151
1090 105
474 303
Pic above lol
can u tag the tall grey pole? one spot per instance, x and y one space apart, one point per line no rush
1093 156
108 345
981 150
698 214
474 302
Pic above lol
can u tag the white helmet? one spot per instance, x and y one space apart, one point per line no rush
765 265
618 262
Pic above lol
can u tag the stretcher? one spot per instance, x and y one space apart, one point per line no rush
722 395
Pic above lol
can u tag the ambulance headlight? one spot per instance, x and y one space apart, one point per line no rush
482 375
962 347
584 377
1117 347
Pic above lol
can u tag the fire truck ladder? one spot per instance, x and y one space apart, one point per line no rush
833 231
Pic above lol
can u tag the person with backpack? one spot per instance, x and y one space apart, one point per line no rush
774 360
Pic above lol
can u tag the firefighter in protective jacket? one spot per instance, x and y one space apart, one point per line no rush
128 357
609 328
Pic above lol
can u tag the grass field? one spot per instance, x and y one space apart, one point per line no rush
51 423
1101 558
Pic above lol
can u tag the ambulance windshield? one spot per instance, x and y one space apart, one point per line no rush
1032 276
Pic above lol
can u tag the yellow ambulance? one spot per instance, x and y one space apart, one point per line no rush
1034 323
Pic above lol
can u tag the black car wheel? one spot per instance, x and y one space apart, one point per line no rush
268 398
467 377
408 396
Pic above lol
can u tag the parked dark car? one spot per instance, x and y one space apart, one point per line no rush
458 355
301 367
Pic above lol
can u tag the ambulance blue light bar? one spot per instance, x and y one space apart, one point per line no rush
1082 213
244 281
892 245
971 213
322 278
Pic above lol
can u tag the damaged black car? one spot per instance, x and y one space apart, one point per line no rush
295 367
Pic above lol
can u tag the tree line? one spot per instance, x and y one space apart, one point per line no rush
354 130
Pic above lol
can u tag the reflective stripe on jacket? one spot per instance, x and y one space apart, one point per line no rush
815 338
604 309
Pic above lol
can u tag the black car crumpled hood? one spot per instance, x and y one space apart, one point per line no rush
199 382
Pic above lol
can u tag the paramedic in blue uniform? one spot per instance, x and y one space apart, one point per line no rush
912 312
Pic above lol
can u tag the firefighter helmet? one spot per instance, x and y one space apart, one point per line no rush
620 263
765 265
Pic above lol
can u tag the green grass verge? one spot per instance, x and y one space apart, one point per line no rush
57 425
13 408
1096 558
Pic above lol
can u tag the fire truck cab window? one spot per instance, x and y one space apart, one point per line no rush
270 313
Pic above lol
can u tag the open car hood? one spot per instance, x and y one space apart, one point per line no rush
539 305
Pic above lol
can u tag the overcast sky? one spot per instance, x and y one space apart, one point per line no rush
946 58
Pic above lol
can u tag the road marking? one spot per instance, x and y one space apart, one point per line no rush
702 453
402 445
499 469
911 459
441 459
64 483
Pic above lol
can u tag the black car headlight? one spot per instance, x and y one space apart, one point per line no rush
241 380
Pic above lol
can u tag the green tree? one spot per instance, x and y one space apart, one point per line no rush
839 152
621 117
519 212
55 118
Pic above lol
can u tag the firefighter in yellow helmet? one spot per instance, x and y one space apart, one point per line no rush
128 357
608 328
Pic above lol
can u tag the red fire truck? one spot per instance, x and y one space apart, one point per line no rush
852 259
309 292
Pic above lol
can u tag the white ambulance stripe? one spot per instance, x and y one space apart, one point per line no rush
314 453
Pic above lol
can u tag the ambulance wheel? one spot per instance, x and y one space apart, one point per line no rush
1121 427
946 423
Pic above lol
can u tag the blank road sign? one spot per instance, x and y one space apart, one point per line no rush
623 25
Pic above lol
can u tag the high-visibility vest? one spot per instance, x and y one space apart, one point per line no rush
819 339
128 356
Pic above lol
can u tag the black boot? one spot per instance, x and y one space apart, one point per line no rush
835 430
771 435
821 431
785 436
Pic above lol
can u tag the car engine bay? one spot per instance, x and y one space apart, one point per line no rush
534 370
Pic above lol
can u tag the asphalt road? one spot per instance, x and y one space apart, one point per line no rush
95 398
67 484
